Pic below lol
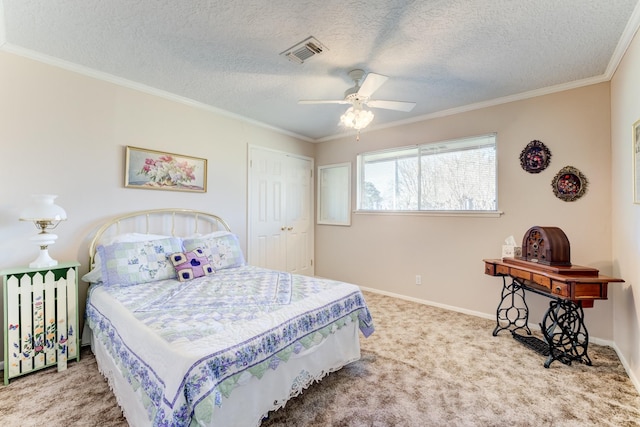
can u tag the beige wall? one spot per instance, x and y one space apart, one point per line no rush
625 110
386 252
63 133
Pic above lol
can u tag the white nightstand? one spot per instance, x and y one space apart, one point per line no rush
40 318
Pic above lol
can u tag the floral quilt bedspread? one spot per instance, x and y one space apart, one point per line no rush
184 346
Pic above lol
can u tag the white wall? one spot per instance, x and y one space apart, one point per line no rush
625 110
386 252
64 133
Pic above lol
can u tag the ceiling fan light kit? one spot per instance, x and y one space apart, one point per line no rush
356 118
359 96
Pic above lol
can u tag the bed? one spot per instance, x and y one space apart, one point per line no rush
187 333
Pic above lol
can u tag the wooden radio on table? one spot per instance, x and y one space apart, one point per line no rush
545 268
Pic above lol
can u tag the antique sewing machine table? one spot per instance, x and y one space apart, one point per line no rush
571 288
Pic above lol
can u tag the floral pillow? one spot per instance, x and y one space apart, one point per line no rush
129 263
221 248
190 265
95 274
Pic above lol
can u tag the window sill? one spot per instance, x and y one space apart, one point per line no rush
473 214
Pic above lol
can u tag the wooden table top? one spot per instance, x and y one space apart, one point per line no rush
560 273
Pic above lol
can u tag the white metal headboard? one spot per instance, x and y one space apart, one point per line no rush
167 221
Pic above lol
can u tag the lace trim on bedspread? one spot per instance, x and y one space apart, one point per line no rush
302 382
216 375
111 382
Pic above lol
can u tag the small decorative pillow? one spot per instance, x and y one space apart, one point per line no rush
190 265
222 249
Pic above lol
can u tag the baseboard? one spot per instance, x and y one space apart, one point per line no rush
532 326
431 303
627 367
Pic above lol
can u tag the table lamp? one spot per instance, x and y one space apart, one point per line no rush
46 216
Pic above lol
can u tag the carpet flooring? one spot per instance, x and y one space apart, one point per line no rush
423 366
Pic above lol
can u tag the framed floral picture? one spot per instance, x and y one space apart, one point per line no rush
636 162
535 157
157 170
569 184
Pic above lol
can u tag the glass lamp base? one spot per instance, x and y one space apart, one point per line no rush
43 260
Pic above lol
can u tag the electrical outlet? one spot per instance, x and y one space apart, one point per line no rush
418 279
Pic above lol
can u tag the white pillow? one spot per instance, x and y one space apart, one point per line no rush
95 274
132 237
210 235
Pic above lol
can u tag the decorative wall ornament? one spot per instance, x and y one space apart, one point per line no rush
535 157
569 184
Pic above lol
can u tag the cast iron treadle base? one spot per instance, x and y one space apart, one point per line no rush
534 343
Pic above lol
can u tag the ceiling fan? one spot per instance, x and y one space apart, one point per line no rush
359 96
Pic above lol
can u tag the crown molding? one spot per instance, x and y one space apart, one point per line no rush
119 81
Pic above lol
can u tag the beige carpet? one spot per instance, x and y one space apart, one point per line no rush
423 366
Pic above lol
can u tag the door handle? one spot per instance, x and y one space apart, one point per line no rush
283 228
289 228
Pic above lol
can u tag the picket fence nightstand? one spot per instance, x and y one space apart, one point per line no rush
40 318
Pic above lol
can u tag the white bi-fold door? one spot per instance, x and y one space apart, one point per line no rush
280 211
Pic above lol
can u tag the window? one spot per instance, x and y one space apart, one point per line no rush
457 175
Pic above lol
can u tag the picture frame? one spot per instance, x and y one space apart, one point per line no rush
159 170
535 157
636 161
569 184
334 194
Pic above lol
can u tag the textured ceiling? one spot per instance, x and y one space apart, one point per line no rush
441 54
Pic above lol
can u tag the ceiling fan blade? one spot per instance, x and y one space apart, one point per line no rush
371 83
392 105
321 101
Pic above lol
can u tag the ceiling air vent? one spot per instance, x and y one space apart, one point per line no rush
304 50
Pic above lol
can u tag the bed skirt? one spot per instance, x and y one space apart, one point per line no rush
247 406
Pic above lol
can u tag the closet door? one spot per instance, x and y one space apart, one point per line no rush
280 208
298 216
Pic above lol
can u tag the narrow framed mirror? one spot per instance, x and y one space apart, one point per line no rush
334 194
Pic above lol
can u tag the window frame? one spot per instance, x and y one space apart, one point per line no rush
360 170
